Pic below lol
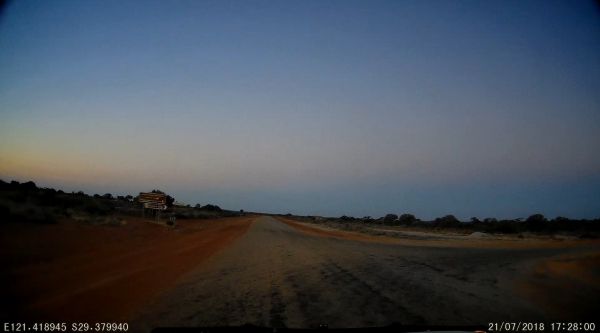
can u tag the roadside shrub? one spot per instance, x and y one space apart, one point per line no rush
33 215
507 227
448 221
48 198
407 219
28 186
213 208
345 218
536 222
390 219
96 207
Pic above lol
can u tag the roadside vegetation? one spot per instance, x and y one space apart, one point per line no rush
534 224
26 202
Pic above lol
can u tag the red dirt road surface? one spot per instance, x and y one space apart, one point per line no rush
74 271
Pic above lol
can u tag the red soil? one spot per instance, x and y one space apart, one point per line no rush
75 272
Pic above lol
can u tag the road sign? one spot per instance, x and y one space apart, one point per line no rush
152 197
151 200
155 205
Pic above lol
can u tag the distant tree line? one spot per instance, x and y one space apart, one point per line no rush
536 223
26 202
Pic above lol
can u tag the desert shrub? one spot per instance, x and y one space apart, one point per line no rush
74 201
390 219
536 218
345 218
506 227
422 224
48 197
28 186
536 222
448 221
31 214
215 208
17 196
367 219
407 219
96 207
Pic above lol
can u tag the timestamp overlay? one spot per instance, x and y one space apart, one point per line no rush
558 326
64 327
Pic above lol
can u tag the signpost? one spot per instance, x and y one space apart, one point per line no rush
154 201
153 198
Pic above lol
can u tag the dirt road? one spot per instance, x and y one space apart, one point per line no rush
279 275
74 271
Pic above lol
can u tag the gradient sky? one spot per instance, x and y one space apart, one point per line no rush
472 108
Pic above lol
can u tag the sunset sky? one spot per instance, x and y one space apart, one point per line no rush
472 108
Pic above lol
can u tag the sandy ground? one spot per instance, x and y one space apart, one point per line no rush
76 271
290 274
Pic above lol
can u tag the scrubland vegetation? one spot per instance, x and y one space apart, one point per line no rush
26 202
535 223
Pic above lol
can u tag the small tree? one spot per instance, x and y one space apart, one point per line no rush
536 222
447 221
170 201
390 219
345 218
29 186
407 219
536 218
213 208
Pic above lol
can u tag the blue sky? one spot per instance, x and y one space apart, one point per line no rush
312 107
